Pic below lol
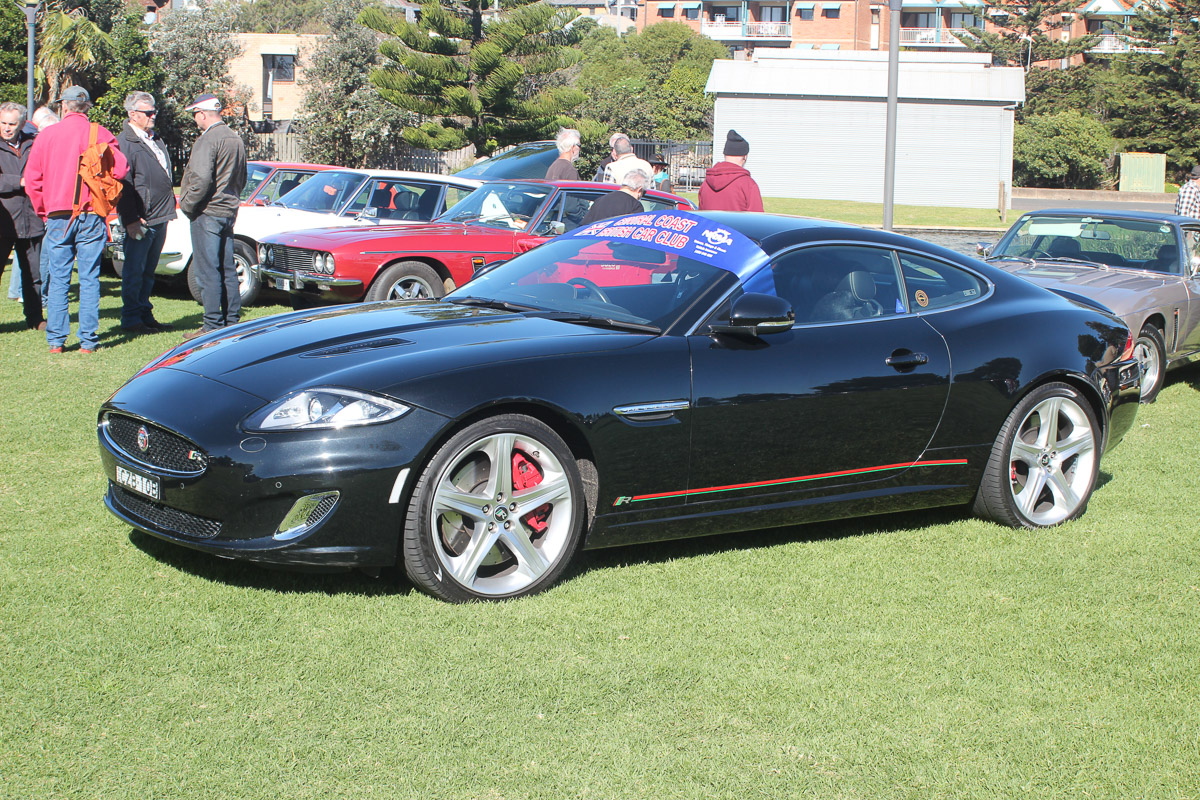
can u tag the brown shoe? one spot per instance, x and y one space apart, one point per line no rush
187 337
41 326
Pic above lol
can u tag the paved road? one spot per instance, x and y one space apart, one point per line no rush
1033 204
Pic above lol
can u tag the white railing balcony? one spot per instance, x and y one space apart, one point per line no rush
746 30
1116 43
931 37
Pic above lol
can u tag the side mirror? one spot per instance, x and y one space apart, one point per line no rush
370 212
756 314
260 201
983 249
1195 264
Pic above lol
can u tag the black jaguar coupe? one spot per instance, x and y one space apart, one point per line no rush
649 377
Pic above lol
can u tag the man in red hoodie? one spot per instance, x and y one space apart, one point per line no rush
51 181
728 186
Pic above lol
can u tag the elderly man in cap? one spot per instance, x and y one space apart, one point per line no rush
75 231
209 196
1188 202
728 186
147 204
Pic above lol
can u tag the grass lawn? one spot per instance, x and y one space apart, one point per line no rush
925 655
871 214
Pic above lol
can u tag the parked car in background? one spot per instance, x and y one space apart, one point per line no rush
333 196
266 181
529 160
1141 266
656 376
498 221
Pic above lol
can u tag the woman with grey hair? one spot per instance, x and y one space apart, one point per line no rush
563 169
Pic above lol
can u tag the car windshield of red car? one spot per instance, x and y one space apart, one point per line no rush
509 206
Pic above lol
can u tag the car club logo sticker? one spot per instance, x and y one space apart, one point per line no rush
683 234
143 439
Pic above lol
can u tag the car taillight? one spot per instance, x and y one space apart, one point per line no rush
1127 350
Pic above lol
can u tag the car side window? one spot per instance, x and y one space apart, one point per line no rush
282 182
836 283
931 284
453 195
569 208
1191 240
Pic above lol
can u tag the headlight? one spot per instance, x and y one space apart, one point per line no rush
262 254
329 263
324 408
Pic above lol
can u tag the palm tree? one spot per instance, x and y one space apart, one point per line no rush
70 45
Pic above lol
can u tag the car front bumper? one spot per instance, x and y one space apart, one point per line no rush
320 288
231 493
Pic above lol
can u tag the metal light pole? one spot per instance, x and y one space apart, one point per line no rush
889 147
30 8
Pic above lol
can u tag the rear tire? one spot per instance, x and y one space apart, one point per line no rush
1043 466
408 280
497 512
1151 352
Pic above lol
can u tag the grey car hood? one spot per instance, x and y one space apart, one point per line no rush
1121 290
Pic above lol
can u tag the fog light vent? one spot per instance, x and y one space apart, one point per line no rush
306 514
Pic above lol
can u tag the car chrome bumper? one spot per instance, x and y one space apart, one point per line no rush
295 279
168 263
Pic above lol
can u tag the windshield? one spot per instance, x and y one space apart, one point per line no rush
651 269
1141 244
324 192
509 206
523 161
255 175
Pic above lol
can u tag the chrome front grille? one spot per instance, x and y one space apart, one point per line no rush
291 259
153 446
163 518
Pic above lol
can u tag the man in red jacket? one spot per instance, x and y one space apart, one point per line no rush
72 242
728 186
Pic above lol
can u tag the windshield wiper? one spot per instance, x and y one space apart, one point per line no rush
1071 260
487 302
1001 257
603 322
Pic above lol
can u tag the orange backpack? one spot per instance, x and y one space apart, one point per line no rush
96 164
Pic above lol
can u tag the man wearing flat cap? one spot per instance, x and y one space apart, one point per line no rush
728 186
209 195
75 230
1188 202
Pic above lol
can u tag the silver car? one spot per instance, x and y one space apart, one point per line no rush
1143 267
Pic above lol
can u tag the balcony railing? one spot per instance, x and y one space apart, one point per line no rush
746 30
1116 43
931 37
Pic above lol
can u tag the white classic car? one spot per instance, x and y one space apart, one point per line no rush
332 198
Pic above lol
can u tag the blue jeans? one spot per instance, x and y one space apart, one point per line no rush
216 273
69 245
137 275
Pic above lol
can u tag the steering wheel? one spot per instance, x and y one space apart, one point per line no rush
592 289
873 308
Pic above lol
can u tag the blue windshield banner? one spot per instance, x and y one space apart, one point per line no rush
683 234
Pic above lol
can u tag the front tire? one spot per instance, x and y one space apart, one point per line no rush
408 280
1044 462
249 284
1151 352
497 513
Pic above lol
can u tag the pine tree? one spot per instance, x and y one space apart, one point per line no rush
1158 110
1029 32
475 80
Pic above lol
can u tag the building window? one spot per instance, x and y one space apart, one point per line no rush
666 9
909 19
771 14
691 10
280 68
726 13
961 20
831 10
805 10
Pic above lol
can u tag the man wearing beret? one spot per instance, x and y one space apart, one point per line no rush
728 186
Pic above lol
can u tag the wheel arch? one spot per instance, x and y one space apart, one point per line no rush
441 269
555 419
1085 387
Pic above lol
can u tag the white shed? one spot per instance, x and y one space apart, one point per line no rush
816 123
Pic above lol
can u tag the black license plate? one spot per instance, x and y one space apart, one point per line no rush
145 485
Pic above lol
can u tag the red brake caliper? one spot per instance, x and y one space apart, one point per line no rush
526 475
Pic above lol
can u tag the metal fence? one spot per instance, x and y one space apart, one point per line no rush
287 147
686 161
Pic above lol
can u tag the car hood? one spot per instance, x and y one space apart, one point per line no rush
333 238
380 347
1122 290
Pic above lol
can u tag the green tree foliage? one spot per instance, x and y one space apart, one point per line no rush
650 84
69 49
282 16
129 65
345 120
474 80
194 49
1086 88
1157 109
13 38
1066 150
1029 32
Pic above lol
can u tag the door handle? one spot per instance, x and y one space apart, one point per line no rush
905 360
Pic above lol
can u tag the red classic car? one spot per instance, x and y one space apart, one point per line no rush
494 223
